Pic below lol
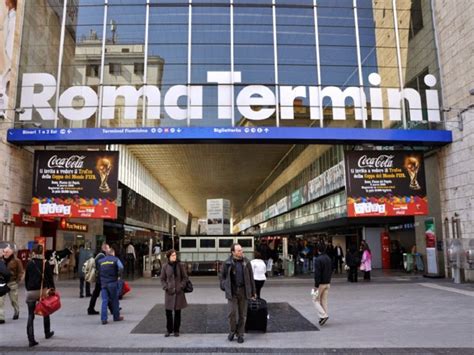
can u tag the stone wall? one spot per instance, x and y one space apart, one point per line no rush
454 22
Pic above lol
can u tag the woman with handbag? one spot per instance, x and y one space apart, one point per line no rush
174 279
366 261
38 279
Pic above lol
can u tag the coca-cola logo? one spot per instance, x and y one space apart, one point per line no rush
382 161
74 162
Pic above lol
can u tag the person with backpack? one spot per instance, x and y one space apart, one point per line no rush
84 254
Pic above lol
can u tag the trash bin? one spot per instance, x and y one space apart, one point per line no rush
408 262
289 267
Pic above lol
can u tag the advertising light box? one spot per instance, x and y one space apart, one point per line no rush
385 183
75 184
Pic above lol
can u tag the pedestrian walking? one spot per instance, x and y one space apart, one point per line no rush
96 293
236 280
339 258
130 260
15 267
4 289
110 269
366 262
173 280
353 262
84 254
39 273
259 269
322 281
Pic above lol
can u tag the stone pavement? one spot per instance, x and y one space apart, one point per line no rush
392 314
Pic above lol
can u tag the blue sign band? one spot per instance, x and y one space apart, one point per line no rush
156 135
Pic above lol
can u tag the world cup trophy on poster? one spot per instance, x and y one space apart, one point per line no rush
104 167
412 165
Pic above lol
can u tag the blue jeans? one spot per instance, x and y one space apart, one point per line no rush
109 293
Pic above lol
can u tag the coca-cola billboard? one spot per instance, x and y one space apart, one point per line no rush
385 183
75 184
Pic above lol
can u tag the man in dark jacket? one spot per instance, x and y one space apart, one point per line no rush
91 310
16 270
4 279
110 269
236 279
322 280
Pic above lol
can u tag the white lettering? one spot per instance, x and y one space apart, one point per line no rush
38 100
72 162
248 98
224 92
68 100
288 95
255 102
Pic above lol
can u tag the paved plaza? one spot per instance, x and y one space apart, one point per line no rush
392 314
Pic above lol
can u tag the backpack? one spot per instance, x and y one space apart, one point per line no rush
89 270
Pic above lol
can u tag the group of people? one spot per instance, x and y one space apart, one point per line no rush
38 276
359 260
240 279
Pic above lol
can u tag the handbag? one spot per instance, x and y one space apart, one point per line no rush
4 289
50 303
188 288
126 288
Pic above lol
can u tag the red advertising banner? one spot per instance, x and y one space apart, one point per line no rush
75 184
385 183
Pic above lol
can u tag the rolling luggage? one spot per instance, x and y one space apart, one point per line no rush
257 315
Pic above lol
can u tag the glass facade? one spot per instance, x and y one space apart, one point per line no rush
294 63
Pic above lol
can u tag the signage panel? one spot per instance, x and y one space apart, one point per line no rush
385 183
150 135
75 184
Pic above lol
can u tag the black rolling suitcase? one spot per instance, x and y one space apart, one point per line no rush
257 315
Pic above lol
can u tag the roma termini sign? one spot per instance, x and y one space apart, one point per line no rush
254 102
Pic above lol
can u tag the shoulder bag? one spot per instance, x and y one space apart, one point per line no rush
50 303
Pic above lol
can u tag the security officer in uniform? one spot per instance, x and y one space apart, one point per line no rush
110 269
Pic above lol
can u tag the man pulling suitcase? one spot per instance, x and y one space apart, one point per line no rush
236 279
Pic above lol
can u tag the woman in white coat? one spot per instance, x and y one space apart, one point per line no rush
259 268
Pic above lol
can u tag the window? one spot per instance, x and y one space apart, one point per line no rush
125 50
207 243
416 18
115 68
225 243
188 243
245 243
92 70
138 68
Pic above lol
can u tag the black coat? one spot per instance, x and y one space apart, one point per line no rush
322 270
353 259
4 272
34 274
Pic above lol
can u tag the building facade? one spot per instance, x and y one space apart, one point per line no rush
350 64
